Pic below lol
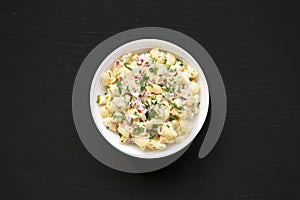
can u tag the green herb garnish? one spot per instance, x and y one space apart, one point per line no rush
107 87
166 89
119 85
117 116
144 79
175 106
125 65
181 62
142 88
147 104
150 85
152 113
173 117
120 135
153 70
153 97
153 133
139 130
198 105
98 99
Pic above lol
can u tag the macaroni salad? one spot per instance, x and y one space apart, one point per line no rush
151 99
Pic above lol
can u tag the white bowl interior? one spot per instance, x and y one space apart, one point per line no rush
140 46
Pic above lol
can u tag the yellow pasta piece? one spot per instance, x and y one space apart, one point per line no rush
142 143
170 59
154 88
192 73
176 123
109 107
123 139
105 78
103 111
125 130
161 60
168 131
108 122
156 144
104 99
155 53
194 87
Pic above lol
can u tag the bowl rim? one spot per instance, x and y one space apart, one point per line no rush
158 153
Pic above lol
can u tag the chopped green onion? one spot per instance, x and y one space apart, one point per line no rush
107 87
166 89
154 70
173 117
119 85
98 99
150 85
153 97
181 62
154 126
147 104
127 67
144 79
139 130
152 113
153 133
175 106
118 116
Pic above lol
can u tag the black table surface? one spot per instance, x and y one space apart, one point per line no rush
255 46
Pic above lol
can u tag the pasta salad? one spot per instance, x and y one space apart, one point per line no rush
151 99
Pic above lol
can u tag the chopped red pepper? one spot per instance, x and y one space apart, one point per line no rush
137 77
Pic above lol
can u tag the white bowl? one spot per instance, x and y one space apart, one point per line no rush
97 88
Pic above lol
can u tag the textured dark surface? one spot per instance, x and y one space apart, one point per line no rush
254 44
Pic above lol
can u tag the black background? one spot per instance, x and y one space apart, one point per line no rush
255 46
